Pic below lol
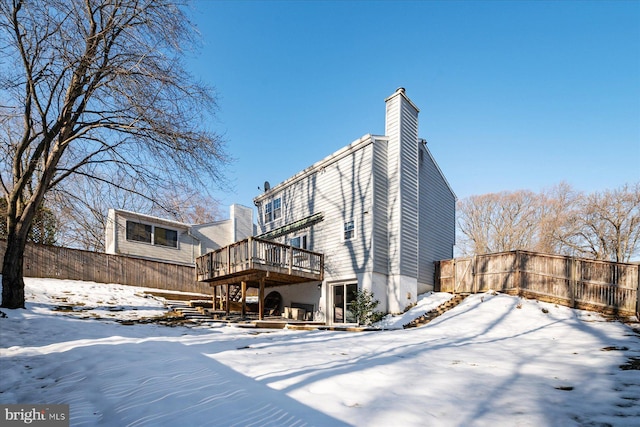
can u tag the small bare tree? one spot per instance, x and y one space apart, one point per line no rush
99 90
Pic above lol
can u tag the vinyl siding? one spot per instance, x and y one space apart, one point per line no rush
218 234
380 209
437 218
409 191
213 236
340 187
183 254
392 130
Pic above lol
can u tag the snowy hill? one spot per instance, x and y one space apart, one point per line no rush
494 360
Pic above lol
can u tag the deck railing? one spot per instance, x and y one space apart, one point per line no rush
253 253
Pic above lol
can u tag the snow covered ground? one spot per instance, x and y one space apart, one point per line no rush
494 360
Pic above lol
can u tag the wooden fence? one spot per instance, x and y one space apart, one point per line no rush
63 263
575 282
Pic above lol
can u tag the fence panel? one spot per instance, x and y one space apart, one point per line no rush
463 275
496 272
607 285
581 283
445 280
456 275
546 275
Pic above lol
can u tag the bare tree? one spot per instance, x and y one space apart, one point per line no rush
609 225
498 222
100 91
559 212
82 205
603 225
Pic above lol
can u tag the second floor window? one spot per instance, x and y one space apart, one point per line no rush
273 210
277 209
349 230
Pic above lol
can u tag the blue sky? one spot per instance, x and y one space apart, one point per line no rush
512 95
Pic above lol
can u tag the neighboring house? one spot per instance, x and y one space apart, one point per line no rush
381 212
144 236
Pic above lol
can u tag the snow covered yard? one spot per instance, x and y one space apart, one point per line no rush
494 360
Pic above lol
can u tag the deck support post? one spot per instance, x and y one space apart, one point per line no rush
228 307
244 298
261 300
215 299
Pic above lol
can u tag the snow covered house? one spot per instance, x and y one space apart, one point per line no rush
145 236
374 215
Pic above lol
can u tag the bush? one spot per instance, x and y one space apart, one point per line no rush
363 308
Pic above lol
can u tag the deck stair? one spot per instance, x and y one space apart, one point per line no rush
235 293
187 310
439 310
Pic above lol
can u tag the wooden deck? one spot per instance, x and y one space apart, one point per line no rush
262 261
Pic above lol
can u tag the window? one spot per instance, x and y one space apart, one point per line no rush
268 212
146 233
299 242
138 232
349 230
165 237
273 210
277 210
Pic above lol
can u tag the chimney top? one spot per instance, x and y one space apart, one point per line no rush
401 92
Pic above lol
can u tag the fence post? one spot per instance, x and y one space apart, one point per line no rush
572 280
521 272
455 276
474 274
518 272
638 294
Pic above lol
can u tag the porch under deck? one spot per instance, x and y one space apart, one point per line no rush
255 260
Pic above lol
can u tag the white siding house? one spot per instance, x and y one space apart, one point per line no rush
380 210
144 236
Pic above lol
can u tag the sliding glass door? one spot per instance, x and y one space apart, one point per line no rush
343 298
